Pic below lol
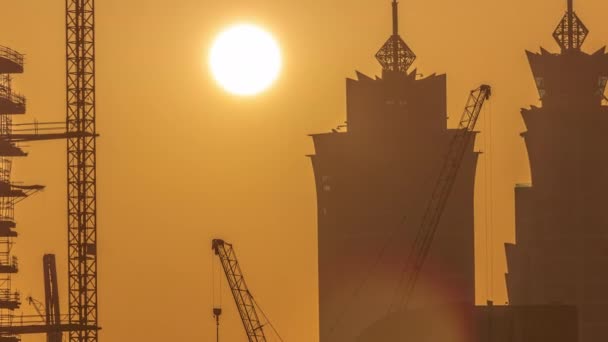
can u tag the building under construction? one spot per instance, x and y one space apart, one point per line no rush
78 130
374 176
48 320
560 254
11 103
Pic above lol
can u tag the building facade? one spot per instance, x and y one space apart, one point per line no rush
561 250
374 177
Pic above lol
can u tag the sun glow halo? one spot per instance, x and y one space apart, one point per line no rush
245 60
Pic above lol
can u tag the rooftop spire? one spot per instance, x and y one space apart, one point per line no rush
395 55
571 32
395 17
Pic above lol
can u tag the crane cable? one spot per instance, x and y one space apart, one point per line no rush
401 298
486 208
212 280
268 322
216 286
491 199
373 266
488 205
367 276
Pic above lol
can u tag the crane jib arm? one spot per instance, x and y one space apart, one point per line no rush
443 187
244 300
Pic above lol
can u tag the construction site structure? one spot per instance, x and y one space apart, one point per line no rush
49 320
79 130
559 254
243 298
12 135
49 311
81 169
11 103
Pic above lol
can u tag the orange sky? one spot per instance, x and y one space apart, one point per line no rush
181 162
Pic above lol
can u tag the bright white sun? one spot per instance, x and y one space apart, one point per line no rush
245 60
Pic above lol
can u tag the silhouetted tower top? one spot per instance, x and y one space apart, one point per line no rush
395 55
570 34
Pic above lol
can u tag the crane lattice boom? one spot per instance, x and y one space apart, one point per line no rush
244 300
441 192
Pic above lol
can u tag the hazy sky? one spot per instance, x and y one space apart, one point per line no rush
181 162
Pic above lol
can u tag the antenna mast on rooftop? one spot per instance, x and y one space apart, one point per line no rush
395 55
570 34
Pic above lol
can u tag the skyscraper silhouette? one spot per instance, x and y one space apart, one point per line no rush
374 177
561 249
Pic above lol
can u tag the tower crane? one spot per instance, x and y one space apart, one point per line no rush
245 303
81 167
443 187
80 132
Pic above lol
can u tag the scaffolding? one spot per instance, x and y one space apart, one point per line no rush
11 193
79 131
11 103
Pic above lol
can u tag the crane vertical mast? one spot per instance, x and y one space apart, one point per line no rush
244 300
81 168
570 14
441 192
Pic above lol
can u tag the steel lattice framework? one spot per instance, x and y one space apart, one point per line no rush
395 54
570 33
459 143
244 300
81 173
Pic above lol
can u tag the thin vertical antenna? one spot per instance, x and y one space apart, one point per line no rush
395 18
395 55
570 25
395 33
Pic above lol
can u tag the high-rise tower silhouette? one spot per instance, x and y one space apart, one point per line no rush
561 249
374 177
